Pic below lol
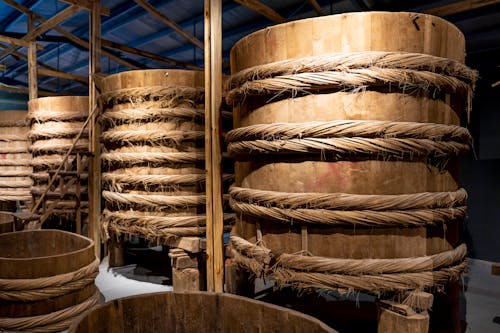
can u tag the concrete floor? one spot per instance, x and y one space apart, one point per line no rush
482 298
482 294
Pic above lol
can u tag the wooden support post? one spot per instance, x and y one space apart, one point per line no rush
213 148
32 74
95 128
390 321
186 275
116 251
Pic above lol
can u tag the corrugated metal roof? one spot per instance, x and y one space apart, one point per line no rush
131 25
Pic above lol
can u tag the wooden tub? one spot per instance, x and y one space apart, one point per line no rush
194 312
46 279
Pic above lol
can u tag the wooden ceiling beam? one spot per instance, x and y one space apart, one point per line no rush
317 8
53 73
159 16
127 49
43 27
17 42
69 35
459 7
25 90
262 9
87 5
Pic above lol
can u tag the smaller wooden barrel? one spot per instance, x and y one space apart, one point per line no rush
195 312
55 123
15 169
46 279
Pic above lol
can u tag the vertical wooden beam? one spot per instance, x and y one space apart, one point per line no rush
213 149
95 128
32 73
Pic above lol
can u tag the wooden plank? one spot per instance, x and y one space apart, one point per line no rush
189 244
495 269
389 321
17 42
420 300
69 35
25 90
49 72
95 127
158 15
149 55
185 280
86 4
459 7
45 26
262 9
32 71
317 8
213 148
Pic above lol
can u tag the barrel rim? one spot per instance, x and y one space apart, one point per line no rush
329 17
55 98
71 253
74 326
151 70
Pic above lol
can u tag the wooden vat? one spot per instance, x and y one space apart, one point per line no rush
54 124
194 312
47 279
306 183
15 170
153 157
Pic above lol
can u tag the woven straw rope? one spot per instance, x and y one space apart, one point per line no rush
168 96
52 322
345 209
152 157
354 70
48 287
53 129
350 128
338 147
42 115
369 275
58 145
345 201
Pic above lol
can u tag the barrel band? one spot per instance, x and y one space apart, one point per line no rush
373 276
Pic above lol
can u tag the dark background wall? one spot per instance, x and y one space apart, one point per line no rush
480 174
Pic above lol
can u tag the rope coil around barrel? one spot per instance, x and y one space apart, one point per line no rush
59 145
156 227
131 217
419 209
48 287
53 129
341 147
140 133
119 181
369 275
154 114
43 114
152 157
168 96
353 70
350 128
52 322
156 201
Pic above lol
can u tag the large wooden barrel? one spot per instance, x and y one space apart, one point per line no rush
15 169
153 156
46 279
194 312
347 132
55 123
